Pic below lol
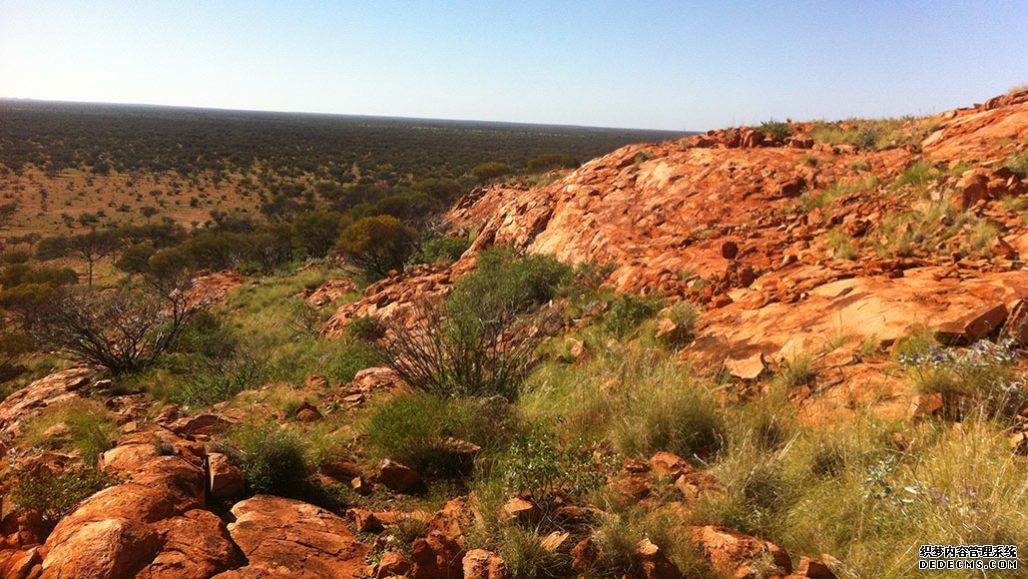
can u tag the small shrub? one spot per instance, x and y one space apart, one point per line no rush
481 341
799 371
81 425
776 128
366 328
273 460
842 247
918 173
442 250
627 312
54 495
489 171
354 357
1018 163
685 316
540 466
525 556
415 429
984 372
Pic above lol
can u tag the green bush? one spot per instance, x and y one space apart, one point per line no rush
54 495
552 161
776 129
627 312
414 429
539 465
442 250
379 244
81 425
482 340
366 328
487 171
274 460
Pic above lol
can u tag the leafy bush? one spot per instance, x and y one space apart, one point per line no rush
379 244
314 233
627 312
81 425
442 250
54 495
273 460
539 465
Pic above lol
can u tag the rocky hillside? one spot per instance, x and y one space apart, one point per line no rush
841 276
787 242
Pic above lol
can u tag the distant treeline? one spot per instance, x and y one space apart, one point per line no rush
105 138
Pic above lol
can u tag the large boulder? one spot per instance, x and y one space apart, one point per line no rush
288 538
739 555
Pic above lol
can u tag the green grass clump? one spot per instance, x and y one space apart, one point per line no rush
797 371
917 174
274 460
841 244
641 402
78 425
685 316
413 429
1018 163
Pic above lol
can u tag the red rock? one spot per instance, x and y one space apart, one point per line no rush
196 546
392 564
200 425
924 405
307 413
729 249
453 520
482 564
1016 327
973 188
288 538
224 479
365 521
583 555
557 542
814 569
973 326
789 188
436 556
737 554
396 476
521 511
317 381
668 465
655 564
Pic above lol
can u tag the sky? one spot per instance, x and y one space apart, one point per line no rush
676 65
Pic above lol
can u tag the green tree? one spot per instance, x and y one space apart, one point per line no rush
314 233
379 244
491 170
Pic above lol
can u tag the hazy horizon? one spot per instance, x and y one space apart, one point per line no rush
661 66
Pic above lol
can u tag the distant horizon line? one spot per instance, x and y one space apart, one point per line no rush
349 115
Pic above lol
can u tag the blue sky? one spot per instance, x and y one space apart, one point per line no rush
645 64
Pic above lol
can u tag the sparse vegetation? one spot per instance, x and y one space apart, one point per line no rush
54 495
82 426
